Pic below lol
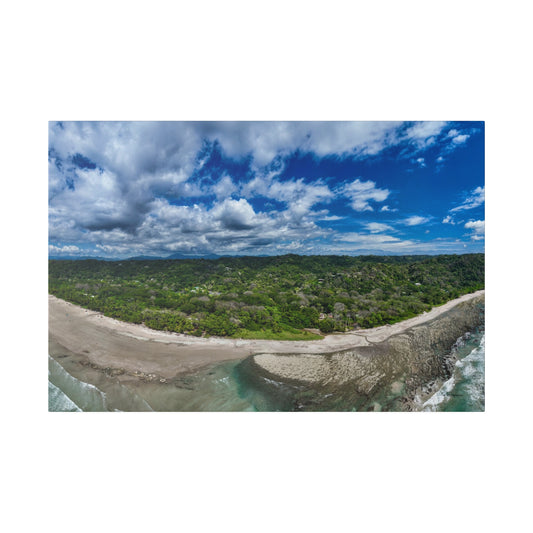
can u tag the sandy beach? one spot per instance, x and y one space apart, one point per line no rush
109 343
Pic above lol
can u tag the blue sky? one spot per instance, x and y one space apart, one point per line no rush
121 189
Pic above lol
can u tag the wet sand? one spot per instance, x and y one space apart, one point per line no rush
111 344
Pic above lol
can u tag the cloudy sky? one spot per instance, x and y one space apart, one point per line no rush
122 189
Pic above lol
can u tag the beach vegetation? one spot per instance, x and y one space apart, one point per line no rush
277 297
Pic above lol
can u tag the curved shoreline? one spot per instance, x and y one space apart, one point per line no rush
111 344
397 374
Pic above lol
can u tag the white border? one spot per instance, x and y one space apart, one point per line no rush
244 60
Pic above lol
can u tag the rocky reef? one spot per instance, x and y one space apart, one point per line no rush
388 375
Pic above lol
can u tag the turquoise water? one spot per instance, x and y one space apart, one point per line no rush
234 386
465 390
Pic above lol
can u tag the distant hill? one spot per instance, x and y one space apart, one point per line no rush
79 258
136 258
143 258
192 256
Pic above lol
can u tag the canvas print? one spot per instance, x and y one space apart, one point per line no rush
266 266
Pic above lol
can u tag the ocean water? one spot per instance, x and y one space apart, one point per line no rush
93 393
234 386
66 393
465 390
59 401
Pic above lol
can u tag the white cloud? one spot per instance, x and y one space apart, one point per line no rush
296 194
188 219
357 243
229 227
331 218
365 238
146 148
370 243
294 246
235 214
377 227
123 194
476 225
415 220
453 140
475 199
96 201
448 220
224 187
117 249
478 229
299 196
457 137
359 138
67 249
131 164
265 141
424 134
133 151
460 139
362 192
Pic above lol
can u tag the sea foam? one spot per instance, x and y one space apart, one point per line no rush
59 401
85 396
465 390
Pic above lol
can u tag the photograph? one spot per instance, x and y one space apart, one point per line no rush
246 243
266 266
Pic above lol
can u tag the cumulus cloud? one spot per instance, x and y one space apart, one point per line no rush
424 134
224 187
128 164
478 229
377 227
147 148
68 249
448 220
476 225
359 138
264 141
235 214
460 139
97 201
457 137
362 192
153 187
297 195
228 227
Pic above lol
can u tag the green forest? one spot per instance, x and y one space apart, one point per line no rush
286 297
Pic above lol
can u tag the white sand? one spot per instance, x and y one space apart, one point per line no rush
109 342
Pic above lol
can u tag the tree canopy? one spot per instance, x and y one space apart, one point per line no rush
267 297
